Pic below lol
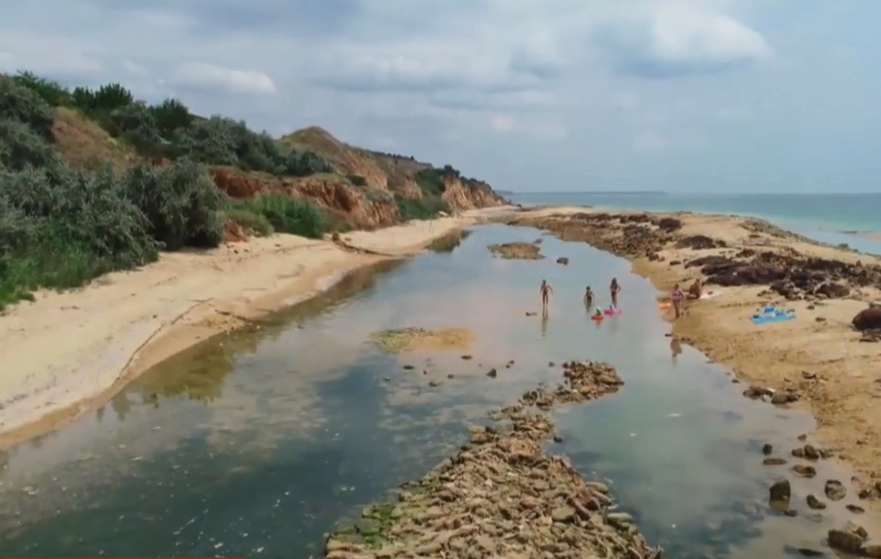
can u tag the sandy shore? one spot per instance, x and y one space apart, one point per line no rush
67 352
817 360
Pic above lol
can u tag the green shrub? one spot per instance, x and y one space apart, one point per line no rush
26 106
181 203
105 99
287 215
427 207
357 180
430 181
21 148
171 115
52 92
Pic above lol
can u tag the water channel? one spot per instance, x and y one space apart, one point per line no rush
257 443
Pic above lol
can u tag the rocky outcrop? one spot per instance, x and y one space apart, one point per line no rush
503 496
868 319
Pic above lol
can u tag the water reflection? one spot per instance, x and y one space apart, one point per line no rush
450 242
255 444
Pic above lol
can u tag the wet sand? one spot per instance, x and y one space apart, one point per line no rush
69 352
817 360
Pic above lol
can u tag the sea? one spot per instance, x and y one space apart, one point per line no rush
829 218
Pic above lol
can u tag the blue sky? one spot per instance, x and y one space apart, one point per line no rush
552 95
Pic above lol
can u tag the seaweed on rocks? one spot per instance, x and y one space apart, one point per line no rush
503 496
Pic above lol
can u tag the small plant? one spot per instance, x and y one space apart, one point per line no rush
286 214
357 180
425 208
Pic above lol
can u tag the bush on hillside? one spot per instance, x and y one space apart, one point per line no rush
55 94
21 148
286 214
181 203
430 181
426 207
171 115
357 180
25 106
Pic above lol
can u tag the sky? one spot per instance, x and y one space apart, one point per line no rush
552 95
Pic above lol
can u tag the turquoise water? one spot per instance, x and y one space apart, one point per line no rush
820 216
257 443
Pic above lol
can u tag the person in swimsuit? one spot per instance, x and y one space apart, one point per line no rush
614 290
588 297
546 292
676 296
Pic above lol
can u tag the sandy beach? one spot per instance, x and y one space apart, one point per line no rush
817 360
67 352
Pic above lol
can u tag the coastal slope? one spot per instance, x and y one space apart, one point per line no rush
130 231
819 359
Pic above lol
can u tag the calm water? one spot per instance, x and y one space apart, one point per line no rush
255 444
819 216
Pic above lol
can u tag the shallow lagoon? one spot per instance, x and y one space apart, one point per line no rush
255 444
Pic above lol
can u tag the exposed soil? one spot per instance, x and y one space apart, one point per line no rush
411 339
503 496
517 251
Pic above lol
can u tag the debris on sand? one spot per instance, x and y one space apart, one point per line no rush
410 339
517 251
502 496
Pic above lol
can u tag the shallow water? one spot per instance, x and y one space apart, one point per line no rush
257 443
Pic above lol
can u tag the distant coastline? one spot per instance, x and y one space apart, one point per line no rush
868 235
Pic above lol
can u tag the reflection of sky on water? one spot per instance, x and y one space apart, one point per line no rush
257 443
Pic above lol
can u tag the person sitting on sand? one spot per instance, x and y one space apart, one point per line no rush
695 290
676 296
614 290
588 297
546 292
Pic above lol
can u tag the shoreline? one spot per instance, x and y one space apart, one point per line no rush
866 235
816 360
72 351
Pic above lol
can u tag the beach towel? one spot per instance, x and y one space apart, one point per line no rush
774 316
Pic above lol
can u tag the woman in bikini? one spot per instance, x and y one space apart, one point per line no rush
614 290
676 296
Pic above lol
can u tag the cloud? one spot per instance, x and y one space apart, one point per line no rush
200 75
670 40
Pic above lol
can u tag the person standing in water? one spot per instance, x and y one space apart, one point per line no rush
676 296
546 292
614 290
588 297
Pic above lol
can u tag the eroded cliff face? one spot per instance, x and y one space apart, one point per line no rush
363 208
345 160
466 195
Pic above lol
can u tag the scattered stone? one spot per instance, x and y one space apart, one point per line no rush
856 509
409 367
845 541
767 449
531 313
804 470
773 461
835 490
492 373
433 384
872 551
467 357
563 260
781 491
810 452
815 503
517 251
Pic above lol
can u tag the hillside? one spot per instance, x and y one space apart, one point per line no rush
93 180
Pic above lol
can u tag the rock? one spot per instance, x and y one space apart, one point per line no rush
856 509
767 449
781 491
809 452
804 470
492 373
563 514
467 357
563 260
868 319
844 541
815 503
872 551
755 392
771 461
835 490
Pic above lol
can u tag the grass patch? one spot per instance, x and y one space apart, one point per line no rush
427 207
282 213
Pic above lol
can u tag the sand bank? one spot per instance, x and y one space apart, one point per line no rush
817 360
69 351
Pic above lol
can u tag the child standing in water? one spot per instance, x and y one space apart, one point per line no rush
588 297
614 290
546 292
677 300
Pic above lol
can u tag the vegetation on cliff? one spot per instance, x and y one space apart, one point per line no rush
94 180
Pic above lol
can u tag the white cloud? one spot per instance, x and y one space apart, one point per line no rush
202 75
672 39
